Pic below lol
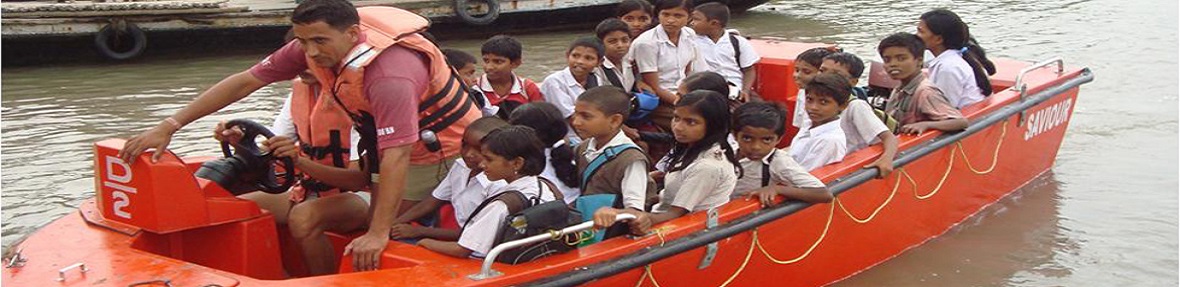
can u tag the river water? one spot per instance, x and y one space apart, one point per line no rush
1105 215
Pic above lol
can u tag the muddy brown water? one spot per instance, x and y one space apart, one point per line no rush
1105 215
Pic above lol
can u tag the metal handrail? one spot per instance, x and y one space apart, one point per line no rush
486 271
1020 85
753 220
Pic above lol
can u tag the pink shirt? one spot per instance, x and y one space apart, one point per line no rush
393 82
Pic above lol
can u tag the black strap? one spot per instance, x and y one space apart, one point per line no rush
766 169
612 78
434 99
737 51
502 197
591 81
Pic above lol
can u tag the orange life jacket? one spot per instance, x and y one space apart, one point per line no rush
445 108
324 136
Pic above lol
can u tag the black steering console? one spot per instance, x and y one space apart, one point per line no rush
246 168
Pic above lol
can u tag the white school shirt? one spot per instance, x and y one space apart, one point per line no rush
816 147
653 52
720 55
480 235
704 184
951 74
861 125
285 126
634 182
801 120
569 193
783 170
562 90
624 72
463 191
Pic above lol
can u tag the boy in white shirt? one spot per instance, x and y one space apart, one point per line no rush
727 53
821 141
463 188
766 170
615 69
862 127
563 87
665 54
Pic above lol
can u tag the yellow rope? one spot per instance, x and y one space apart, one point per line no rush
995 154
831 214
896 184
754 242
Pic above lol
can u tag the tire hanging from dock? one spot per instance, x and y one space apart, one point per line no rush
485 19
114 36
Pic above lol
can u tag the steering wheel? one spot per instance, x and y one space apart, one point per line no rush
247 150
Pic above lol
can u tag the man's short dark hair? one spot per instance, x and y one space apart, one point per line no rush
910 42
611 25
830 85
457 58
855 66
609 99
502 45
339 14
588 42
715 11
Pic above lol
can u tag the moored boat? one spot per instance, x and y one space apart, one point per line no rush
158 223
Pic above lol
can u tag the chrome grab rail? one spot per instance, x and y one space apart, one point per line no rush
487 272
61 273
1020 85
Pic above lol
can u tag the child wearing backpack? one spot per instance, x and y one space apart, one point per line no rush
727 53
768 171
515 155
551 129
703 170
664 55
463 188
608 161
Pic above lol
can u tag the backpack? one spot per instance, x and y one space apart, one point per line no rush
588 204
528 217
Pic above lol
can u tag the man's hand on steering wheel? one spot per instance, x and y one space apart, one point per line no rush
282 147
232 135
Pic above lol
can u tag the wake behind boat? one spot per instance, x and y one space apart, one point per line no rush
153 223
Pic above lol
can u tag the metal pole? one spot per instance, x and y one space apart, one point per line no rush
759 218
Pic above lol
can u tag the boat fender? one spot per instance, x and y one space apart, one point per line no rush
485 19
116 34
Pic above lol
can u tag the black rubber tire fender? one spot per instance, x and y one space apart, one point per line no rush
485 19
104 35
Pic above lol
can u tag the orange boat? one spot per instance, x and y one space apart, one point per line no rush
158 224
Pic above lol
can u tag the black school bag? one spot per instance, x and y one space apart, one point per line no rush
528 217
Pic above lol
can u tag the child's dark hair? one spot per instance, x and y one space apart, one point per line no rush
340 14
551 128
830 85
714 107
502 45
486 125
631 5
910 42
609 99
761 114
457 58
715 11
956 36
855 66
611 25
662 5
814 56
711 81
513 142
588 42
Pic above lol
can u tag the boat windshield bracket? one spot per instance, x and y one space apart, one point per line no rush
1022 87
711 249
16 261
486 271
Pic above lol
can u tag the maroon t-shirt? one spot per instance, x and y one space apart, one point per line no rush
393 82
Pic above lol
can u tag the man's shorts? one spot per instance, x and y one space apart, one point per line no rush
422 179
